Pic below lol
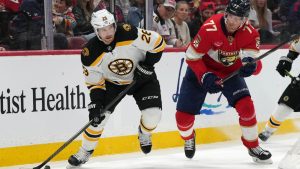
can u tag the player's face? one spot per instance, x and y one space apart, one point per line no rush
233 22
107 33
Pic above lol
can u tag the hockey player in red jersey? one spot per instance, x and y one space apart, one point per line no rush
223 44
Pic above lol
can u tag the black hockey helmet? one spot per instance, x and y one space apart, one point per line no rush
239 8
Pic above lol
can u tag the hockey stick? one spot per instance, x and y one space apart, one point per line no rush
116 99
261 57
295 80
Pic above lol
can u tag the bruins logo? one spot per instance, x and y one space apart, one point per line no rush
156 19
121 66
85 52
85 71
127 27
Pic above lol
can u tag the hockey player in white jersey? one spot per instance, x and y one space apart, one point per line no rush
290 98
111 60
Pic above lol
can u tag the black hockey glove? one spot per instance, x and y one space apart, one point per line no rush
249 68
210 82
285 64
142 74
96 113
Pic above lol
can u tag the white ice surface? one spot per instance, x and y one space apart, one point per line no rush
225 155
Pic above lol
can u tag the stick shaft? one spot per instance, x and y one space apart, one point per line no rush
262 56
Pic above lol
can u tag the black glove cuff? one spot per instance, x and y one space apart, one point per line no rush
284 58
292 55
145 70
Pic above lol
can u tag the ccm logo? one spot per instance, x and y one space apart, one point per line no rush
149 97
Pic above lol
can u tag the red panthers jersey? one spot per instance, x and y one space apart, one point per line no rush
215 50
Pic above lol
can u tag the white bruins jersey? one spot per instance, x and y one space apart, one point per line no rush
295 45
116 62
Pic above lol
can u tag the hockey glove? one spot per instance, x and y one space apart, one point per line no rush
210 83
96 113
142 74
285 64
249 68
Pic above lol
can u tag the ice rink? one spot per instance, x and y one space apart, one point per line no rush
225 155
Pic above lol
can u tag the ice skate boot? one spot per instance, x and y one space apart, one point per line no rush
260 155
264 135
81 157
189 147
145 141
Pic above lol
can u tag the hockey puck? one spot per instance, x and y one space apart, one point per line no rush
47 167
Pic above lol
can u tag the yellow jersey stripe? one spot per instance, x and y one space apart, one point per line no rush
97 87
124 43
158 42
98 59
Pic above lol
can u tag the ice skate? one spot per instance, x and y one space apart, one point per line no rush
81 157
264 135
189 147
260 155
145 141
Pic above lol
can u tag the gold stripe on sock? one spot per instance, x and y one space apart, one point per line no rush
89 138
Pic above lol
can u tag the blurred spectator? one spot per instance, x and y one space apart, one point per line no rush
157 2
261 18
273 5
8 9
63 17
124 5
2 48
180 17
284 9
205 11
163 25
193 9
136 12
60 41
104 4
82 12
10 5
294 18
221 5
26 27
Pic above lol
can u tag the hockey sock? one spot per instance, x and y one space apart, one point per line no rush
280 114
150 118
90 138
247 120
185 123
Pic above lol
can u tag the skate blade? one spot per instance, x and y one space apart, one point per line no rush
257 160
69 166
